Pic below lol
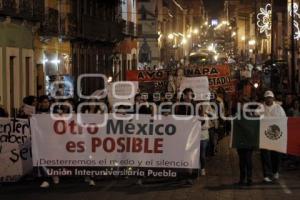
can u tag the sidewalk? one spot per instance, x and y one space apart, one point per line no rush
222 173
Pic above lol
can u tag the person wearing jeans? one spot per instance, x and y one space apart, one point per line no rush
270 159
204 139
245 162
271 163
203 148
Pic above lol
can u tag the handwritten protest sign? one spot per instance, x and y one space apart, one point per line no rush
15 149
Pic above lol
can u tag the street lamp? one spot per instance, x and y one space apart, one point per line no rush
183 41
252 42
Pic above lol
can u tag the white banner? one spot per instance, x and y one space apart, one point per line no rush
122 92
141 145
15 149
199 85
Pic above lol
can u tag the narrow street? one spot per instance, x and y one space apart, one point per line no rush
222 174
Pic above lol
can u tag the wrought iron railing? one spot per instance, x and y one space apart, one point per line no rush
31 10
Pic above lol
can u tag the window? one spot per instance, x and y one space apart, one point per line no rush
27 75
11 83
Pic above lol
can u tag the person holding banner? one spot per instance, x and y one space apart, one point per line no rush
271 159
188 98
204 138
245 151
3 113
188 109
43 106
28 108
141 106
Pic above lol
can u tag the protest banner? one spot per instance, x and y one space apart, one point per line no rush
199 85
210 71
122 92
148 75
218 76
158 80
140 146
15 149
150 81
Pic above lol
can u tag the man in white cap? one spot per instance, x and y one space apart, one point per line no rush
271 159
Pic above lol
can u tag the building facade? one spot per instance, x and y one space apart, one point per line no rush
53 45
126 51
256 38
170 30
19 21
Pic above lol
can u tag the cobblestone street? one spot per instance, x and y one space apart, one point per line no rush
222 174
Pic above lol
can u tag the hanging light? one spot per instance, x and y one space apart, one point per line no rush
252 42
296 15
55 61
184 40
196 31
171 36
264 17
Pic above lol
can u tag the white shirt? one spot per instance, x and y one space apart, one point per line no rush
274 110
204 130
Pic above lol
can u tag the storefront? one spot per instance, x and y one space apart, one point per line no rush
53 64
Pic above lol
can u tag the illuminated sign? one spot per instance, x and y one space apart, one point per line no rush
296 15
265 19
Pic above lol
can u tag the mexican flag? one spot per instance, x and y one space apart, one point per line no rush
279 134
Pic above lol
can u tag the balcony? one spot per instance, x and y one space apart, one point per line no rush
30 10
68 26
59 24
50 25
129 29
132 29
98 30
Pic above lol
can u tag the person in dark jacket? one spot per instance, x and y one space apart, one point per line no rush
187 110
245 157
3 113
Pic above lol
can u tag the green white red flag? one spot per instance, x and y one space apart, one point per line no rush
279 134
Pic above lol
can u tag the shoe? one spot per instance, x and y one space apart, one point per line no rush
55 180
92 183
45 184
203 172
276 176
267 180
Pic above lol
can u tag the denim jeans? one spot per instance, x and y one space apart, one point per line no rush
245 162
270 162
203 148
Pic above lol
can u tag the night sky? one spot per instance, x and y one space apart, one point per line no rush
215 8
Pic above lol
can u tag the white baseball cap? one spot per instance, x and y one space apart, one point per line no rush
269 93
